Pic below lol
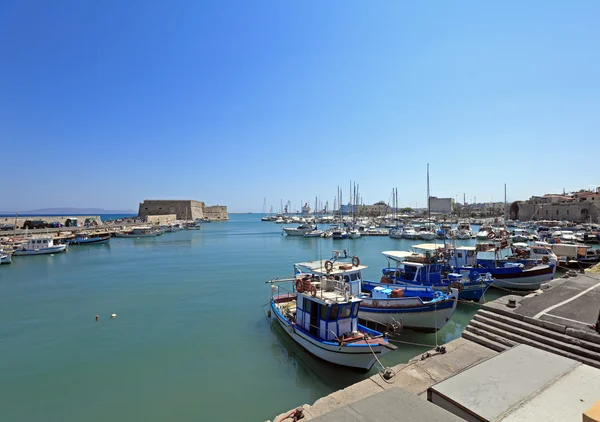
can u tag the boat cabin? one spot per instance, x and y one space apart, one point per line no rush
39 243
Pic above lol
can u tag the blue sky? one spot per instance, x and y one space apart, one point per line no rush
106 103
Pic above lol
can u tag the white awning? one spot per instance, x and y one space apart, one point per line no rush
396 255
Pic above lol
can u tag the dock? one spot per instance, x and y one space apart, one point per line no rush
558 323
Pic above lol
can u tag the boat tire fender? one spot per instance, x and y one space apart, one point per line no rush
328 266
491 235
299 286
313 291
355 261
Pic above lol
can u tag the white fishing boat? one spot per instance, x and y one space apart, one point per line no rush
142 231
301 230
39 246
321 315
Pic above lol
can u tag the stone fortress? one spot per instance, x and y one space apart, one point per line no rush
580 207
182 210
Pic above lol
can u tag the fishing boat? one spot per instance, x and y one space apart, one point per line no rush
321 315
142 231
39 246
509 271
301 230
520 235
90 239
428 266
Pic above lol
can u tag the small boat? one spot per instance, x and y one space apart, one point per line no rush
301 230
520 235
137 232
314 233
354 234
5 258
338 233
409 233
39 246
321 315
89 239
395 233
509 271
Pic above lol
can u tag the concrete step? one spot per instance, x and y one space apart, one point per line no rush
502 341
484 341
527 330
565 338
527 338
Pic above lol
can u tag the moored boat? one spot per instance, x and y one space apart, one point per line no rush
321 315
39 246
5 258
301 230
90 239
142 231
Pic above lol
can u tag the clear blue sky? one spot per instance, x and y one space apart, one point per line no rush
106 103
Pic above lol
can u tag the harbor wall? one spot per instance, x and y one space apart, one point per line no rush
581 212
48 219
161 219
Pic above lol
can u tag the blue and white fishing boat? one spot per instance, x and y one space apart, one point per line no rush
419 308
321 314
509 271
90 239
430 268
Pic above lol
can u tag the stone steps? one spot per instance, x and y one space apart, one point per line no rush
484 339
494 330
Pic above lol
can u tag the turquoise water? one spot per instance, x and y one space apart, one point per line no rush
190 341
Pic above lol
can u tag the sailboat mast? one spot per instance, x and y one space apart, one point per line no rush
428 196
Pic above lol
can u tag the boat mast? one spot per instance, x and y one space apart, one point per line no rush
428 197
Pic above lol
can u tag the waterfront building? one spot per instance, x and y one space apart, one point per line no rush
582 206
441 205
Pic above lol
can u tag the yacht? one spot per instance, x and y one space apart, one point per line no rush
39 246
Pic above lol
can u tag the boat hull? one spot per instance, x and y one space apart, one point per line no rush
355 356
530 279
470 291
295 232
5 259
136 235
425 317
41 251
93 241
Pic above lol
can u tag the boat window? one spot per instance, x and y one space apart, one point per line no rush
460 254
323 311
355 309
347 278
470 253
346 311
354 276
333 314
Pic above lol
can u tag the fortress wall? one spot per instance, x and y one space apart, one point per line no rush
161 219
185 209
216 212
570 211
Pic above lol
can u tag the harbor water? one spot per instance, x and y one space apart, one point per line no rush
191 340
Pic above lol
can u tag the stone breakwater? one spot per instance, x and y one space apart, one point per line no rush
19 221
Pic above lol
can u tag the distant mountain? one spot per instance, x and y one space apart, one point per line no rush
80 211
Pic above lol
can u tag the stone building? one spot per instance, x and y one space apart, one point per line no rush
182 209
582 207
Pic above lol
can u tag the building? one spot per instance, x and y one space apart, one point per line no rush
183 209
441 205
582 206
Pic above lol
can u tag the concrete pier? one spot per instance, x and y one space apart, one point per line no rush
415 377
